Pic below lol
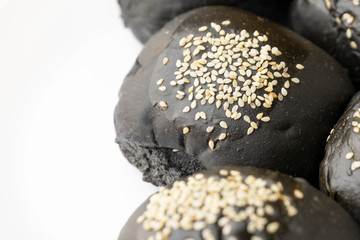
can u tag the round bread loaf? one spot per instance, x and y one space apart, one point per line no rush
340 169
239 204
334 26
219 86
145 17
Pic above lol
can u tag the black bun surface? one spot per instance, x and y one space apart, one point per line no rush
334 26
340 169
275 119
145 17
240 204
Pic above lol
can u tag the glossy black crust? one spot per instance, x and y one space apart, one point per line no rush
292 142
313 20
336 177
318 217
145 17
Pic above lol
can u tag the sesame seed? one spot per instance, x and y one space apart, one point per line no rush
348 18
203 29
162 88
259 116
160 81
225 23
353 45
265 119
182 42
223 124
203 115
210 129
247 119
211 144
222 136
165 61
269 210
254 125
186 130
193 104
272 227
250 130
284 92
328 4
299 66
224 172
226 230
163 104
292 211
348 33
254 237
295 80
349 155
355 165
298 194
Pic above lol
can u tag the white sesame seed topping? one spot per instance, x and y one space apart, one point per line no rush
254 237
353 45
355 165
348 18
163 104
250 130
225 23
224 172
186 109
182 42
299 66
165 61
210 129
348 33
328 4
222 136
349 155
211 144
272 227
298 194
186 130
265 119
254 125
160 81
230 69
186 205
162 88
295 80
223 124
203 29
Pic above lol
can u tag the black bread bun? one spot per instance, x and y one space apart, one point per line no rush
240 204
145 17
334 25
266 97
340 169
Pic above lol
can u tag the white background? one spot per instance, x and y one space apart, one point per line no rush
61 174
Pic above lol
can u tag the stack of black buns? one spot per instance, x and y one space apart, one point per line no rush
228 93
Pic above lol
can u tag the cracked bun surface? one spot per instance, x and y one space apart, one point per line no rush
220 86
239 204
340 169
145 17
333 25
